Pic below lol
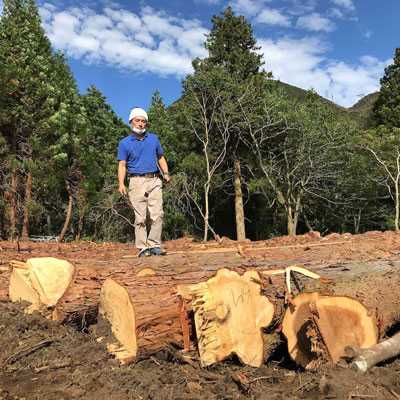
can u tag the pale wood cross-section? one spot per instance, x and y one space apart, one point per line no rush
40 281
229 315
116 307
318 328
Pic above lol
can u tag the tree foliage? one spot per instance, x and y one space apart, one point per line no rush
302 164
387 107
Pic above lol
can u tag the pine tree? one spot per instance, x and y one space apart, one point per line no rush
387 107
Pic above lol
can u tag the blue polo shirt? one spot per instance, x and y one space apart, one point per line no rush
141 156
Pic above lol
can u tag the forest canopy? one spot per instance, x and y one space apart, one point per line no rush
250 157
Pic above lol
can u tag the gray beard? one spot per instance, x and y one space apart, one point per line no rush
139 131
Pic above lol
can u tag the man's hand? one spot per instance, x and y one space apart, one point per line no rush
166 178
122 189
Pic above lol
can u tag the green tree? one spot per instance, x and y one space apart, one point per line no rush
295 148
387 107
383 148
231 45
27 95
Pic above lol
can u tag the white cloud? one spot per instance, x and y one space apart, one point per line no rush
304 63
300 7
336 13
315 22
151 41
270 16
249 8
347 4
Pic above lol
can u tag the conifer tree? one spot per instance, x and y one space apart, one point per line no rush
387 107
232 46
27 94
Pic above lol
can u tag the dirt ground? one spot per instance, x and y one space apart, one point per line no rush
40 359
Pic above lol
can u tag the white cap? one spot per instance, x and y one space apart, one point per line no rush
138 112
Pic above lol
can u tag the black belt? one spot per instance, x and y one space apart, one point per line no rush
146 175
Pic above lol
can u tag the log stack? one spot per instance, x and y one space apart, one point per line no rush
148 309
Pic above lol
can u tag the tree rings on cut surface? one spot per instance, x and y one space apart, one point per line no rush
229 313
318 328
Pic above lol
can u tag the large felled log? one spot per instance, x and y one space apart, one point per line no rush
78 293
146 313
355 309
364 359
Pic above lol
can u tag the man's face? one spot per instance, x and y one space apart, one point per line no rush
138 123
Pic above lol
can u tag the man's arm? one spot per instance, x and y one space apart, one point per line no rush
121 176
162 162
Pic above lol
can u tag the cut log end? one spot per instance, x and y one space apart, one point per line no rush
229 315
40 281
116 307
319 328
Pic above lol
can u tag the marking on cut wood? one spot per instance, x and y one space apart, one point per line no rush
229 315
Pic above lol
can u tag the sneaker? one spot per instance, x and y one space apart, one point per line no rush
145 252
157 251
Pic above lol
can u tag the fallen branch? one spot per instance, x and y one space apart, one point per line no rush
364 359
26 351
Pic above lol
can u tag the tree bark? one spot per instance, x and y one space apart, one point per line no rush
27 204
68 216
239 209
13 204
4 283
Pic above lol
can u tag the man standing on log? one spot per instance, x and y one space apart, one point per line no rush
141 156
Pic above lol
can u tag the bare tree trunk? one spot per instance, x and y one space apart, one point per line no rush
206 213
291 222
68 216
397 205
82 206
28 199
13 204
239 210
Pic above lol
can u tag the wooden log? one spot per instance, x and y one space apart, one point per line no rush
364 359
40 281
230 313
5 274
356 308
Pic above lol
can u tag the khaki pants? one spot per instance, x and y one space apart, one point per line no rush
145 195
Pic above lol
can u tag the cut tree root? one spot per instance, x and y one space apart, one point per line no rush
355 309
229 315
364 359
318 328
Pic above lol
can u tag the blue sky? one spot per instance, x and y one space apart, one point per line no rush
129 49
